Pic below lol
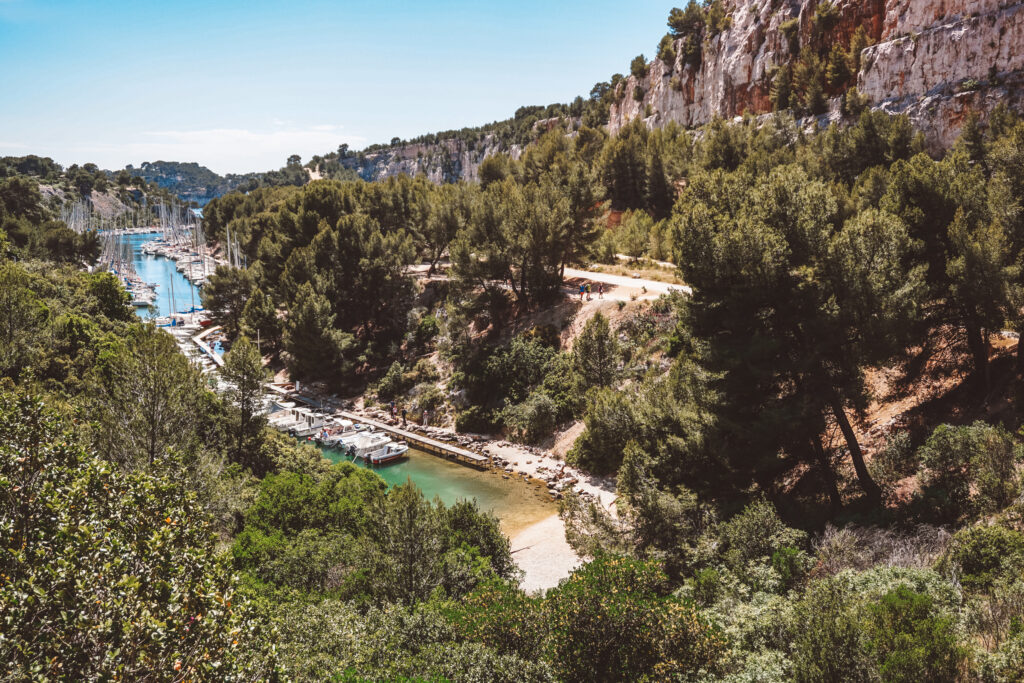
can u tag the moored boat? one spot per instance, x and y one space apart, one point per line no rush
392 452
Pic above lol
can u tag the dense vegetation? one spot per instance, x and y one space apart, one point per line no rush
153 528
813 259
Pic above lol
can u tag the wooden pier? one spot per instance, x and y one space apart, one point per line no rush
424 443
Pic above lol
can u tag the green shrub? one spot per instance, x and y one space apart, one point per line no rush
426 330
790 564
110 574
423 371
757 532
828 642
613 620
897 460
610 423
476 419
979 555
909 642
1006 665
826 16
638 67
531 420
707 585
638 93
955 458
502 617
392 383
666 51
428 397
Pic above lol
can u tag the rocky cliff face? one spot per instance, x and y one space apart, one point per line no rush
444 161
939 60
934 60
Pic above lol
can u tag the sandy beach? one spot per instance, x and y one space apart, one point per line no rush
543 554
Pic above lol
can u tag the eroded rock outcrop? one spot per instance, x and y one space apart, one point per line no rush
444 161
934 60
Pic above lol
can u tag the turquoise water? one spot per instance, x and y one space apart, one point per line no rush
513 501
161 272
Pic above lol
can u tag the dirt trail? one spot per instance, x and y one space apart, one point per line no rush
628 285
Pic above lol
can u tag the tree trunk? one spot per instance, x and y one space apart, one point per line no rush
866 482
826 471
977 342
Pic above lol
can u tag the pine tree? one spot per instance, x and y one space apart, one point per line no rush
659 192
243 370
837 72
782 88
260 321
316 349
596 353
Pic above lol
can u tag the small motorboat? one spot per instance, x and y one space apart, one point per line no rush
366 444
392 452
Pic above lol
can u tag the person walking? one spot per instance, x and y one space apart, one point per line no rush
583 288
600 290
403 417
588 292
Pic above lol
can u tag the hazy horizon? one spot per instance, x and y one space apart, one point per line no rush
238 88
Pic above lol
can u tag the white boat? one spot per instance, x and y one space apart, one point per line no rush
341 436
392 452
309 424
366 444
286 419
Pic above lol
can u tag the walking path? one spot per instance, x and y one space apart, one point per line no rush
653 287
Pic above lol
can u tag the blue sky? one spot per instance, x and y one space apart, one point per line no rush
238 86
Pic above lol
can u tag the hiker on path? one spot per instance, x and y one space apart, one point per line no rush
403 417
588 292
600 290
583 288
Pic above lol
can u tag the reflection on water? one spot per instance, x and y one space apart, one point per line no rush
515 502
162 272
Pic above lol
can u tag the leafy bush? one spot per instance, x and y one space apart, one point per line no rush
666 51
897 460
426 330
826 16
909 642
100 567
638 67
610 423
790 564
757 532
828 644
423 371
955 458
392 383
531 420
613 620
981 554
707 584
476 419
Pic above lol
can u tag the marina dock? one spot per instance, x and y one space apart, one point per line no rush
417 441
423 443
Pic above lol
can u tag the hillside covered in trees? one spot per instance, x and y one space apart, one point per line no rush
734 418
816 446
